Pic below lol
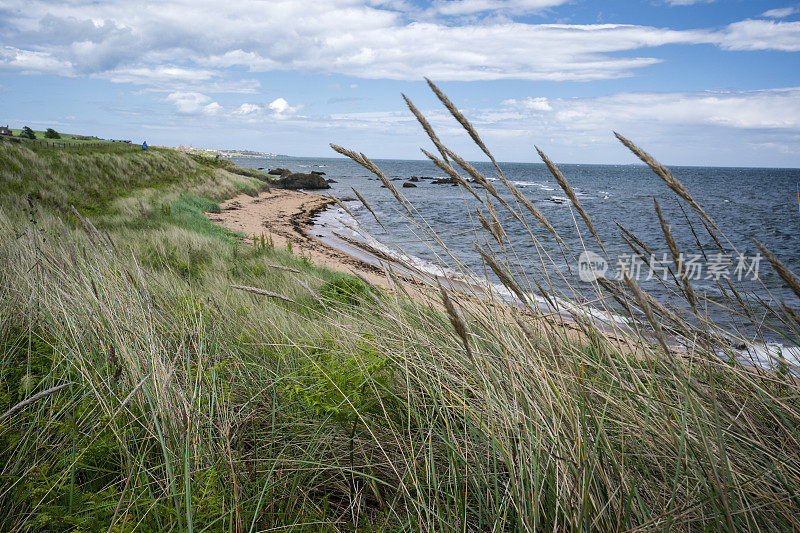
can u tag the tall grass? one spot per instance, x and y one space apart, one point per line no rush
192 405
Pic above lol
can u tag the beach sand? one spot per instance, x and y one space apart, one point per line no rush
285 214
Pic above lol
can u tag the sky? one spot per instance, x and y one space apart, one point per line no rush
694 82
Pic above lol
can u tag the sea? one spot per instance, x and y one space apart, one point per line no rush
745 203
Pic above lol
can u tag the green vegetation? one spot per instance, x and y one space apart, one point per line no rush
310 401
51 134
64 138
26 133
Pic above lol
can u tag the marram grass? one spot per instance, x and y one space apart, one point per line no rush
188 404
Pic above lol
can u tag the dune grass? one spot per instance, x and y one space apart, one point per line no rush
193 405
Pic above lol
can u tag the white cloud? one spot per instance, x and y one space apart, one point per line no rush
769 109
248 109
191 103
281 109
182 45
528 104
30 62
761 35
780 12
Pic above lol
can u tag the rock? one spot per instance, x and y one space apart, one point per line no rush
331 180
408 184
260 168
302 181
317 173
445 181
414 178
279 171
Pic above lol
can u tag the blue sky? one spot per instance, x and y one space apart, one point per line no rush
693 82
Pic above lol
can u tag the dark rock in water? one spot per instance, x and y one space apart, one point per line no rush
414 178
279 171
260 168
408 184
317 173
302 181
445 181
331 180
396 179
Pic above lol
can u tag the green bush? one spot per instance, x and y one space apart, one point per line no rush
345 290
27 133
51 134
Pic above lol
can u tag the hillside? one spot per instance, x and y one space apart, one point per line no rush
160 372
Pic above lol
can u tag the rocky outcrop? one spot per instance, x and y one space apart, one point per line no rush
330 180
279 171
408 185
302 181
318 173
445 181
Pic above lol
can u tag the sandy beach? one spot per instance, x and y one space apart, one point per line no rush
288 215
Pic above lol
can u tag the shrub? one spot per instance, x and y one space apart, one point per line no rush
344 290
27 133
51 134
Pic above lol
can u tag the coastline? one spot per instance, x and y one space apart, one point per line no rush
301 217
287 216
290 215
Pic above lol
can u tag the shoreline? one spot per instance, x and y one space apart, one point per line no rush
288 215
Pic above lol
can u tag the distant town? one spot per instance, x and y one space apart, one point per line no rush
221 152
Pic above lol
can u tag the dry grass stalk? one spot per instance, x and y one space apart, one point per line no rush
365 162
481 180
644 305
505 278
498 227
340 204
677 257
281 267
262 292
314 295
634 238
426 126
455 318
461 120
491 228
380 254
450 171
36 397
786 275
664 173
565 186
365 204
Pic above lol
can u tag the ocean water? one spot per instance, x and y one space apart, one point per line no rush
746 203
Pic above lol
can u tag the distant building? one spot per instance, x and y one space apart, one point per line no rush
5 130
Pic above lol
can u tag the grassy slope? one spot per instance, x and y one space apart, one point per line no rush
65 137
193 405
